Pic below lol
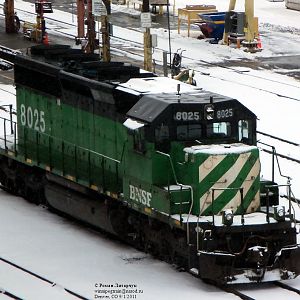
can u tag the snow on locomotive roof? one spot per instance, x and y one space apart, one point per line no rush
221 149
155 85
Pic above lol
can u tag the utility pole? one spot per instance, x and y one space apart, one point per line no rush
250 23
147 38
105 10
9 16
40 21
91 28
80 18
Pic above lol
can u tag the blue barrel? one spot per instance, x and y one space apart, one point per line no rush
213 24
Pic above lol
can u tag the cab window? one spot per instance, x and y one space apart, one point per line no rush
219 129
188 132
245 131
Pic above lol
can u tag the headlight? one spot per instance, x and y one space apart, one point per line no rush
279 213
227 217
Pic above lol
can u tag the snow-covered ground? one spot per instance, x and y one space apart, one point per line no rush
78 258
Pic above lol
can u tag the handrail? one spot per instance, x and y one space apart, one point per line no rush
288 185
241 189
13 124
278 138
75 146
182 185
275 155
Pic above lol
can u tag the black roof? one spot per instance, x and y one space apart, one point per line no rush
151 106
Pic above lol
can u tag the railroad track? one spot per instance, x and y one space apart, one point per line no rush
122 45
287 287
38 277
9 294
231 289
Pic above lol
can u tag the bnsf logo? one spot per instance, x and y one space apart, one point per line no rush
139 195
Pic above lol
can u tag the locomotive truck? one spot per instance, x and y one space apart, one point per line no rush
168 167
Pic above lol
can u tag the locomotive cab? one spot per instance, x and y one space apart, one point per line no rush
169 129
191 119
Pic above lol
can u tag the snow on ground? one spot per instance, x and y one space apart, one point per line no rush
78 258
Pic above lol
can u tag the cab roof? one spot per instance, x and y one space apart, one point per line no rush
152 106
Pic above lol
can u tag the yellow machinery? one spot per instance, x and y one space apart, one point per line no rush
251 23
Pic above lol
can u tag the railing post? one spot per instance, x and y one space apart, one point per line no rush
212 205
268 205
63 157
50 152
273 163
89 161
5 145
15 138
11 120
290 200
76 173
242 206
37 147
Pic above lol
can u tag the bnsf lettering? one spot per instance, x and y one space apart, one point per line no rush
140 195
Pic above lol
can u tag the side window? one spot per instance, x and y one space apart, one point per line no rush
161 133
244 128
188 132
138 140
162 140
220 129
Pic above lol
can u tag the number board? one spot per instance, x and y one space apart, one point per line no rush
187 116
224 113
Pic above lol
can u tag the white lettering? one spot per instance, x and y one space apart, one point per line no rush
187 116
149 198
131 193
225 113
144 195
139 195
34 119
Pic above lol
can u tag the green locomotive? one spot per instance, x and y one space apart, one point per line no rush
168 167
